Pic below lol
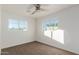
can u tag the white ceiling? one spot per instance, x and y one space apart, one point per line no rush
27 9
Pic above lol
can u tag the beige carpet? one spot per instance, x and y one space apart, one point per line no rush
34 48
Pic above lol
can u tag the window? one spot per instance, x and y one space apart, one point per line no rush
17 24
51 30
50 25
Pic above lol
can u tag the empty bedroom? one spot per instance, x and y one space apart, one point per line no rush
39 29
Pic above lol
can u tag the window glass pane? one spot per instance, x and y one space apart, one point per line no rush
22 25
51 24
17 24
13 24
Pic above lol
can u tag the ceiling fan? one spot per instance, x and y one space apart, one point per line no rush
36 7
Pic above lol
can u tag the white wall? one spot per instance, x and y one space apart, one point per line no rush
12 38
69 22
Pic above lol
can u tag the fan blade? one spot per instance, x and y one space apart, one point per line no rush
34 12
42 9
